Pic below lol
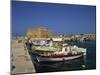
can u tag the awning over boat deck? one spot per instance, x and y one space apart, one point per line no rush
46 49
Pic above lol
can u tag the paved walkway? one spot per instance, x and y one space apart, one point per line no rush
20 59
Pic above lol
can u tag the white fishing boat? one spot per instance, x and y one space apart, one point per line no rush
51 54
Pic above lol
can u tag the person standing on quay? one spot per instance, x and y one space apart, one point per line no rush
29 44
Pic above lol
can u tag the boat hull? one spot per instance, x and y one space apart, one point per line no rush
57 58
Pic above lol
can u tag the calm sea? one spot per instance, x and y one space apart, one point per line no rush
89 62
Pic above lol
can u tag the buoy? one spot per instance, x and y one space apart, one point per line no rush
83 66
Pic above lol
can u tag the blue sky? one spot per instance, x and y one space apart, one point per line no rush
58 18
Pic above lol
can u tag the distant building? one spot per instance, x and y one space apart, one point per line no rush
86 36
40 32
90 36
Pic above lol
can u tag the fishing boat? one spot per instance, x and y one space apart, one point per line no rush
65 53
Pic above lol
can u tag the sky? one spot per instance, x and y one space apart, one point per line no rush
58 18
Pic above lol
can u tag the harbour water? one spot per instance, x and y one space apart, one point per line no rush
88 62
